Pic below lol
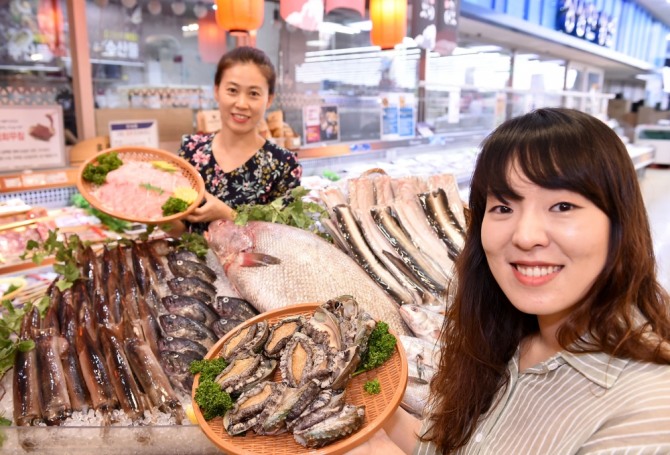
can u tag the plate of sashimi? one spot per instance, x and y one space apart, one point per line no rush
141 184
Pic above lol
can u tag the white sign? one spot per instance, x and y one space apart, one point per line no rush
31 137
143 133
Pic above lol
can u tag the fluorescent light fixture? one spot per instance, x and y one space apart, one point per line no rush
190 27
36 57
316 43
332 27
350 50
362 26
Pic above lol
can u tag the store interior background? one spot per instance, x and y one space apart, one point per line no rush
119 59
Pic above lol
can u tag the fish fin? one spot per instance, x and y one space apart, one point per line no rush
256 260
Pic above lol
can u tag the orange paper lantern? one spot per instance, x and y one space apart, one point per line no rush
356 5
389 22
239 16
211 39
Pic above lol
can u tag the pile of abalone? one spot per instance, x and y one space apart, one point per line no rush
316 356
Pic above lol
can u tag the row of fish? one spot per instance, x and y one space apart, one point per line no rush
122 336
405 233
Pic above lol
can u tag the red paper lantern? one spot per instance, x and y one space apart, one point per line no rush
356 5
389 22
211 39
240 16
50 23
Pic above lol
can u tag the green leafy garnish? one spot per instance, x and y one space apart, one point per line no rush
213 400
372 387
209 369
98 173
295 212
65 265
112 223
381 345
10 325
12 287
174 205
195 243
150 187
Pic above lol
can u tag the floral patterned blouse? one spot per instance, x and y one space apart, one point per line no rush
271 173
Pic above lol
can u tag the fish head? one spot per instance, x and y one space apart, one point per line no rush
227 239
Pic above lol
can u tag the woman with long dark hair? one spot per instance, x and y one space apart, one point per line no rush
557 341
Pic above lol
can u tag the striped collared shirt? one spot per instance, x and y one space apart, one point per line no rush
577 404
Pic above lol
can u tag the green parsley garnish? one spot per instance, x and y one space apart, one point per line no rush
372 387
174 205
98 173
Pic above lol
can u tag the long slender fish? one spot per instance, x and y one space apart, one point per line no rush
120 374
76 386
56 405
443 221
151 376
26 382
95 371
366 258
419 263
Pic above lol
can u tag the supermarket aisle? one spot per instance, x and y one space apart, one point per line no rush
656 192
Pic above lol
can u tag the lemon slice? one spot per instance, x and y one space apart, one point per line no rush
190 413
164 166
186 194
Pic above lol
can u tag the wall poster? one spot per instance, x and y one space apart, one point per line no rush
398 115
31 137
321 124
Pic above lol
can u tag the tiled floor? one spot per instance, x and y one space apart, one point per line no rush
655 184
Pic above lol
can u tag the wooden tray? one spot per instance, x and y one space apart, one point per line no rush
379 408
144 154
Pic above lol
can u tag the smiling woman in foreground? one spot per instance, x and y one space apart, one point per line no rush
557 342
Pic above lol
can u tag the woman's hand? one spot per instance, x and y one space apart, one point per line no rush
213 209
378 444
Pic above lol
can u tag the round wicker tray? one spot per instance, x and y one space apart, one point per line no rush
392 376
143 154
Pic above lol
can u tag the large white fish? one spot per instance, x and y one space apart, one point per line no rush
273 265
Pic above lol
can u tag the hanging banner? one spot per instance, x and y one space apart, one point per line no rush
303 14
446 39
398 116
31 137
423 25
435 24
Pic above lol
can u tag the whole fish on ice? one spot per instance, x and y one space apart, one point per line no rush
297 267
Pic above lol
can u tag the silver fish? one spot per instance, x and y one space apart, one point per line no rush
310 269
366 258
424 323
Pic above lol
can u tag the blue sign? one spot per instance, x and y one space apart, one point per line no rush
582 19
